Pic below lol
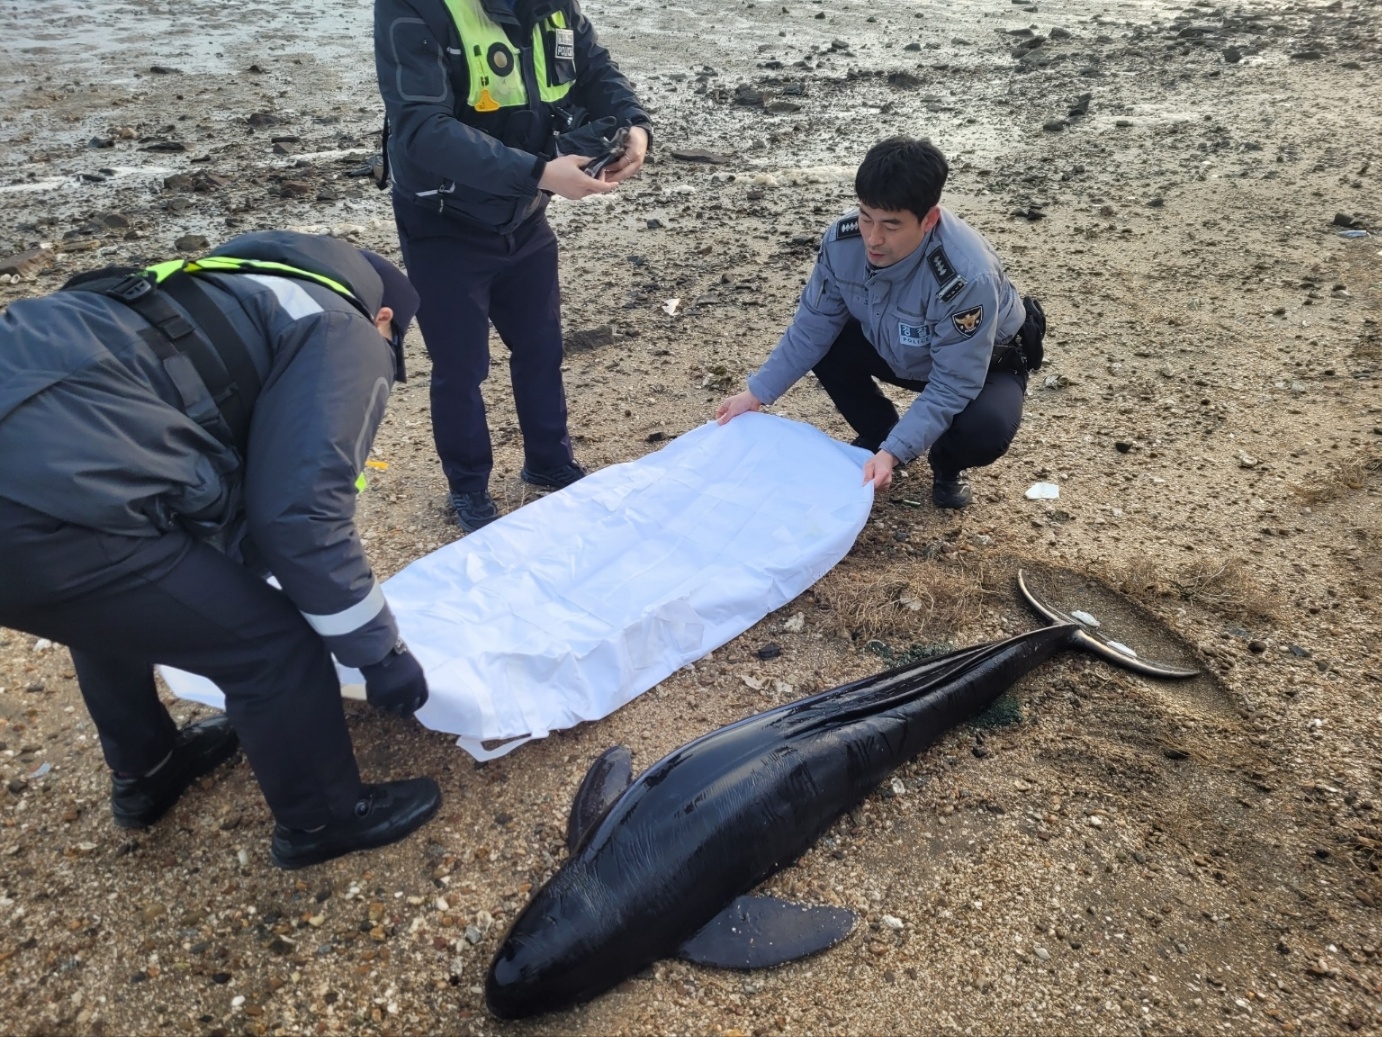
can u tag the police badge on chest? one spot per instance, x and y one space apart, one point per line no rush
910 334
565 45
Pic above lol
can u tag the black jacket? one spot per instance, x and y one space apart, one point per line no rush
481 167
93 430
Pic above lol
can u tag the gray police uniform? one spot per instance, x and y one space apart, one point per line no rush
935 320
134 535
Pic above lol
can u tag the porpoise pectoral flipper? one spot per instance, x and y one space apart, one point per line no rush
757 932
608 777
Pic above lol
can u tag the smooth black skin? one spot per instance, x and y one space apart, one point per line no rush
722 813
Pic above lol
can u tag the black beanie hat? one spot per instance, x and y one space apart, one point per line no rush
399 296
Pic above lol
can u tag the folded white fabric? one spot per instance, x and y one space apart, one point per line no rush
567 608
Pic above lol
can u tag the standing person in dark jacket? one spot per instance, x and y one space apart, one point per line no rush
493 106
166 447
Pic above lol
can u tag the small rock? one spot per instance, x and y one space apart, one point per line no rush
714 158
590 338
27 264
192 243
768 651
295 189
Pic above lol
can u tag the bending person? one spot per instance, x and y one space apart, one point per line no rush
171 436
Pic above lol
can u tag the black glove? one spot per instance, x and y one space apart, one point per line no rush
396 683
591 140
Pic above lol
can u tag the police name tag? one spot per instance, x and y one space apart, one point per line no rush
909 334
566 45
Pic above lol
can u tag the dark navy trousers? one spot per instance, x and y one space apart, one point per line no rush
979 435
122 604
466 278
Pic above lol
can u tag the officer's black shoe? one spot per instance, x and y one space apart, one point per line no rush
867 444
137 802
384 814
951 493
558 478
473 510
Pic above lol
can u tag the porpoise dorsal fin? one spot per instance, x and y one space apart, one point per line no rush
757 932
608 777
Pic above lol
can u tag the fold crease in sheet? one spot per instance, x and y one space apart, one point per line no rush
569 607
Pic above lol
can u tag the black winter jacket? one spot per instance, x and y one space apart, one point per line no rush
482 168
93 432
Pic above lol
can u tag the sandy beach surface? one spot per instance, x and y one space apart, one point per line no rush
1196 194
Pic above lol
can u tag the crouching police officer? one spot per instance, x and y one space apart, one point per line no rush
169 437
493 106
907 293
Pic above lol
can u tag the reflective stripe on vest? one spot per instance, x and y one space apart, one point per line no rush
496 80
231 265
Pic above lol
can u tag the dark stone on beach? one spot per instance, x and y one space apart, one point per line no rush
589 338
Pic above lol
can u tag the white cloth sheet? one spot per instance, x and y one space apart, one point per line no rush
567 608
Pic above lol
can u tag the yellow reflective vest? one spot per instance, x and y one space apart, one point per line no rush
497 78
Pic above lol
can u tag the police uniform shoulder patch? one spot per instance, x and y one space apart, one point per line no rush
847 228
941 266
967 321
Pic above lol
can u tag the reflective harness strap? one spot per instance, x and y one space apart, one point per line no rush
209 342
205 357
